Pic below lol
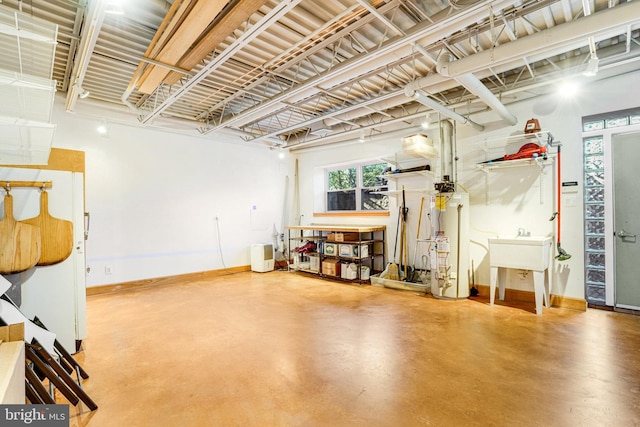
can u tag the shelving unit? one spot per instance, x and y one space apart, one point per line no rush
372 237
542 138
402 160
399 176
541 163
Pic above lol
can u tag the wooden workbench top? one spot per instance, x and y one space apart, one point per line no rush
338 227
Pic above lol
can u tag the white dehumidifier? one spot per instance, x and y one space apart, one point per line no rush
262 259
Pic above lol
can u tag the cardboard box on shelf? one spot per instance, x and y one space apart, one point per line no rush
14 332
331 267
343 237
331 249
353 251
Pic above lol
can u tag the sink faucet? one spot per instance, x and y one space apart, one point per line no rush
523 233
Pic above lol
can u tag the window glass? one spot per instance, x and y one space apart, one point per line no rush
372 184
341 200
342 179
593 161
596 125
617 122
357 187
342 189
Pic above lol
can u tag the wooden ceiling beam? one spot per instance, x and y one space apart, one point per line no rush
240 13
163 31
190 30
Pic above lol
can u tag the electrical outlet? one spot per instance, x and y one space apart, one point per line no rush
108 269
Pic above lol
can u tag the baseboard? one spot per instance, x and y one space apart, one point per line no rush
530 296
167 280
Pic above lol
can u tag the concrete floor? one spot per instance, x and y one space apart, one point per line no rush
283 349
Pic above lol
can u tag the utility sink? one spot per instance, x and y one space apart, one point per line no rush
522 252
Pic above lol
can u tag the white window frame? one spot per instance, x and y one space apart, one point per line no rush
358 189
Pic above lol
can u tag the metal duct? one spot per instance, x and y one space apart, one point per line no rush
425 100
475 86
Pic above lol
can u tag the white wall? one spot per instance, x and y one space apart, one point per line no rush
153 198
504 200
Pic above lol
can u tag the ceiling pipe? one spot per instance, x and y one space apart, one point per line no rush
425 100
89 36
475 86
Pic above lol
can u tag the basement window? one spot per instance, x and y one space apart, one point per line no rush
356 188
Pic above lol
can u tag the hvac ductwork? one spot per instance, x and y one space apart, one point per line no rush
475 86
425 100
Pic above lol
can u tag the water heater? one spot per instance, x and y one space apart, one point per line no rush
449 256
262 259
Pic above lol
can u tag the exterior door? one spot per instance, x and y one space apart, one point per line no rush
626 151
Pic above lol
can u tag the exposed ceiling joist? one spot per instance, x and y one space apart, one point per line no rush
318 71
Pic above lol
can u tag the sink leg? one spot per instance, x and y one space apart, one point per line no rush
492 285
539 288
498 277
547 289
